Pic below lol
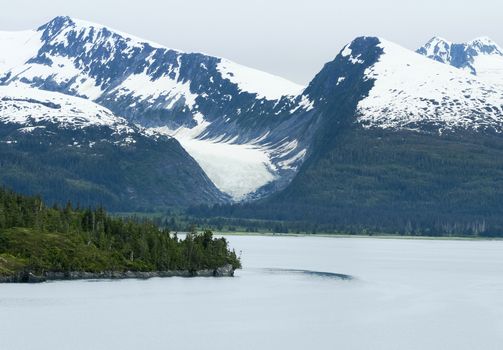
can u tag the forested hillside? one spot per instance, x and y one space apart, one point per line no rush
400 149
36 239
393 182
91 167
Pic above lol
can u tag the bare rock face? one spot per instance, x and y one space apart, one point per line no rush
224 271
22 277
28 277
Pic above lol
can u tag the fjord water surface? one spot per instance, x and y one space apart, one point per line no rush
405 294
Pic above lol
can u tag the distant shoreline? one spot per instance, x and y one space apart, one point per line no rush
377 236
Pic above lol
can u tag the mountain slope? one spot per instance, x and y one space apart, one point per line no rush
412 92
400 148
65 147
17 47
190 96
481 57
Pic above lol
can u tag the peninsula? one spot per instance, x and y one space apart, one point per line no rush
40 242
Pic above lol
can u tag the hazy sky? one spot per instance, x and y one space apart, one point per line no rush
290 38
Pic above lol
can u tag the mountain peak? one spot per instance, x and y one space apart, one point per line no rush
354 50
438 39
437 48
480 56
187 95
56 24
483 40
347 68
484 45
65 24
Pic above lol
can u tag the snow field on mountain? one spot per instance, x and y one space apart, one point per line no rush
136 78
263 84
144 87
410 89
236 169
481 57
27 106
17 47
489 68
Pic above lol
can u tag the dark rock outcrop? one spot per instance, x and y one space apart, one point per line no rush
29 277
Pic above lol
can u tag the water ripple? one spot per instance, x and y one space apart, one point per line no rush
322 274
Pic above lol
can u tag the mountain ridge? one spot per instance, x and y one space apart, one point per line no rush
163 88
252 147
481 56
387 157
65 147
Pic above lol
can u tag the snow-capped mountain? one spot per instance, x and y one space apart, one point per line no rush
411 91
251 131
481 57
241 118
400 89
404 144
29 107
66 147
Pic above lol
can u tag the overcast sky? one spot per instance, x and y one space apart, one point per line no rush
290 38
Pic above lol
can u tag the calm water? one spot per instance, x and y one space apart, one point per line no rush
407 294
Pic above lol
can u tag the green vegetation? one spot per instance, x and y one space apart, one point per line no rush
143 176
374 181
377 181
39 239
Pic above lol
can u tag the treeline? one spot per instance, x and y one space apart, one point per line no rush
140 177
40 238
378 181
349 221
185 223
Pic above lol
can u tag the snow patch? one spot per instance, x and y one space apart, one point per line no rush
62 71
290 163
144 88
305 105
253 81
30 129
347 52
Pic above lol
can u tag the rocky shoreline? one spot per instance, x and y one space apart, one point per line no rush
29 277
